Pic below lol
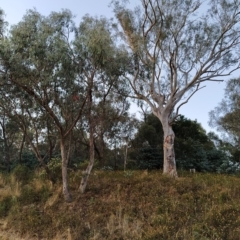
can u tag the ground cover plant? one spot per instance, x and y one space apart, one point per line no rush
122 205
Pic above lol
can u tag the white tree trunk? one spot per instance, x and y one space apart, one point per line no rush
66 193
169 163
87 172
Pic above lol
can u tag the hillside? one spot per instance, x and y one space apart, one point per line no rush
121 205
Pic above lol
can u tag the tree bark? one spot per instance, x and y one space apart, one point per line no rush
87 172
66 193
169 163
125 157
21 148
102 147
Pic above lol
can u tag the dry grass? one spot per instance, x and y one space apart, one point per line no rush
136 205
9 187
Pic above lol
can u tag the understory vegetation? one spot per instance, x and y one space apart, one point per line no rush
120 205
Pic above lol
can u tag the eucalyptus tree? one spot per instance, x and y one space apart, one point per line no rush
102 64
176 46
226 116
38 58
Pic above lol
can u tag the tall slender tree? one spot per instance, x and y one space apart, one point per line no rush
102 63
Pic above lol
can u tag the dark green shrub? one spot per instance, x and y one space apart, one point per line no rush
22 173
5 206
150 158
29 194
55 167
27 159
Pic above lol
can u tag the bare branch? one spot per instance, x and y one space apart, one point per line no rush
197 89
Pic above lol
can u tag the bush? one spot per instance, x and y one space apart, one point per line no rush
22 173
5 205
150 158
30 194
55 167
28 159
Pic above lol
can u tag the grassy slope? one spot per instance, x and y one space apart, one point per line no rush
118 205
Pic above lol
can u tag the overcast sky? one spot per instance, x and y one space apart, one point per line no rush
196 109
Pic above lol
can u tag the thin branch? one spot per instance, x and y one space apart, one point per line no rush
197 89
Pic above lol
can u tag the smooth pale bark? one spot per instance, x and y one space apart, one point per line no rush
169 163
65 190
87 172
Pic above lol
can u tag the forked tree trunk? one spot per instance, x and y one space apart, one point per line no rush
169 163
87 172
65 190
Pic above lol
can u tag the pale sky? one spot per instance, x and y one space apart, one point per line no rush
196 109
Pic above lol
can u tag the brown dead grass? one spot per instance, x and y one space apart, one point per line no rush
140 205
